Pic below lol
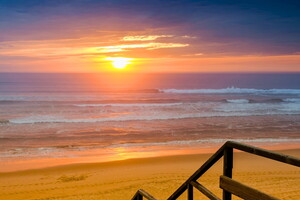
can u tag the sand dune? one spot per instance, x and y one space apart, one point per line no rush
159 176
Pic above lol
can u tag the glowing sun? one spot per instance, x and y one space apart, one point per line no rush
119 62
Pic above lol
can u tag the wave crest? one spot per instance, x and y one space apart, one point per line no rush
232 90
237 100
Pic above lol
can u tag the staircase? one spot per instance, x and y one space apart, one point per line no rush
230 187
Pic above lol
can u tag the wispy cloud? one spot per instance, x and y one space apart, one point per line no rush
152 46
144 37
148 46
118 48
195 54
42 49
189 37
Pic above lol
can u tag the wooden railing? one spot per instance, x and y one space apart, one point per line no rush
141 193
228 185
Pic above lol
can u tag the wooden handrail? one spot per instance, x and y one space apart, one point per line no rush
243 191
142 193
225 151
204 190
264 153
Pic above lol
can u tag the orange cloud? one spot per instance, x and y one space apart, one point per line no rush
148 46
144 37
43 49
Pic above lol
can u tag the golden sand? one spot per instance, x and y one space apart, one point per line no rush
159 176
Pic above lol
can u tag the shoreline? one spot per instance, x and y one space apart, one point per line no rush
205 152
160 176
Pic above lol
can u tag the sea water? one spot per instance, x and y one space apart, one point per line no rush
103 117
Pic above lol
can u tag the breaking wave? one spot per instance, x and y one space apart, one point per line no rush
291 100
129 104
209 141
53 119
237 100
232 90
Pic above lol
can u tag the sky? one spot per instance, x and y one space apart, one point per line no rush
149 36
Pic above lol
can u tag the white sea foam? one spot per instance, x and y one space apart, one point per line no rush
130 104
237 100
209 141
291 100
201 143
31 152
290 107
262 108
162 111
12 98
232 90
54 119
51 97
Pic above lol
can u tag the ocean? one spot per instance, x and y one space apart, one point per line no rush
52 119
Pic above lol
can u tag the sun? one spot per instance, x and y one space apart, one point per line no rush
119 62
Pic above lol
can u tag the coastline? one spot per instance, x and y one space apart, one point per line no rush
159 176
122 154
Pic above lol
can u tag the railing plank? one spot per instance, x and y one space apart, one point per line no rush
142 193
137 196
204 190
264 153
210 162
243 191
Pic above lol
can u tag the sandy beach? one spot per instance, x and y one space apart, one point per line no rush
102 98
160 176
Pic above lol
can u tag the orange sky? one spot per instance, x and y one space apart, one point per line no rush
183 36
148 53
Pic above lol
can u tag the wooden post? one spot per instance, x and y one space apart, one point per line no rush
190 192
139 197
227 169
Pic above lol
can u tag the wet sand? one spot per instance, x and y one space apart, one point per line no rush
160 176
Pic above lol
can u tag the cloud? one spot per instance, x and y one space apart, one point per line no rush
189 37
44 49
193 55
118 48
148 46
144 37
267 26
152 46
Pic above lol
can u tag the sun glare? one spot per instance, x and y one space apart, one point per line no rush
119 62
